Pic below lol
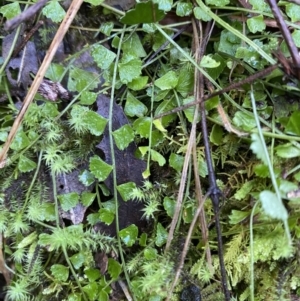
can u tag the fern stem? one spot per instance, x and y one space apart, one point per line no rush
271 171
7 91
74 273
182 120
14 42
186 194
252 254
33 180
98 196
55 198
113 9
150 130
111 140
235 32
45 225
71 103
278 136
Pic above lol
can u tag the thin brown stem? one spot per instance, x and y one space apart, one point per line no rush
27 38
234 86
286 34
191 147
183 176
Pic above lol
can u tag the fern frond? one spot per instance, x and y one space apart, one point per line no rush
63 164
76 120
212 292
33 263
19 255
4 213
133 264
157 277
53 132
234 247
18 223
19 290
